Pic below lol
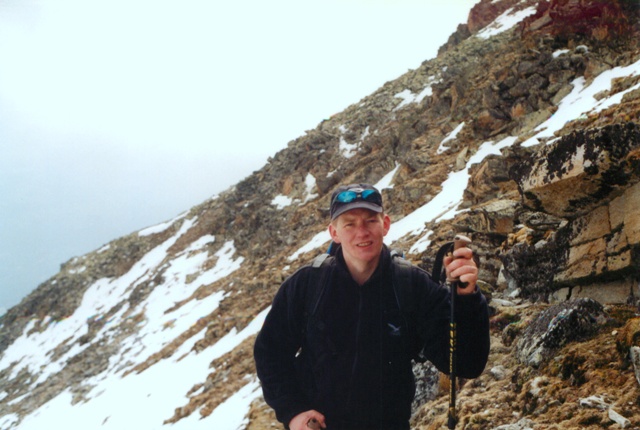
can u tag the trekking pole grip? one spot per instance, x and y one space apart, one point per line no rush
459 241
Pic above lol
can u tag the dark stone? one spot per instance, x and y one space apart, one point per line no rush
557 326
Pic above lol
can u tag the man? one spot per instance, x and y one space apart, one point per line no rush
347 366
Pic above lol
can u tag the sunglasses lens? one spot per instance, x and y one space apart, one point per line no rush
346 196
370 196
366 195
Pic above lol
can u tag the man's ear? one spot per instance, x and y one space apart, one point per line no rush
386 223
334 233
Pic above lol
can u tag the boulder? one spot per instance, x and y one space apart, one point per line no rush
523 424
557 326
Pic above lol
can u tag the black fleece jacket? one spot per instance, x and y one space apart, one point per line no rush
351 360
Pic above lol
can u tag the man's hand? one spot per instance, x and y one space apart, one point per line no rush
463 268
313 420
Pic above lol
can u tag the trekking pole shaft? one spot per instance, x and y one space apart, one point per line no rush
459 242
452 416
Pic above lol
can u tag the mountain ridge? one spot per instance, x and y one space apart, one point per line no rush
474 112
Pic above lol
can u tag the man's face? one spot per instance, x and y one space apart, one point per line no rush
360 232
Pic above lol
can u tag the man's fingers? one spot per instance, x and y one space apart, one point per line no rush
308 420
463 253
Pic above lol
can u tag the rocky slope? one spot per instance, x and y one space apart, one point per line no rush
535 104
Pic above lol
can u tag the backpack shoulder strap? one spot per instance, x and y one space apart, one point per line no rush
403 288
402 271
401 266
317 282
319 260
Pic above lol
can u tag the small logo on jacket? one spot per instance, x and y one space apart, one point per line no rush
394 330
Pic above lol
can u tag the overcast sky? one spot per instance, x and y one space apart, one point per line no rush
122 114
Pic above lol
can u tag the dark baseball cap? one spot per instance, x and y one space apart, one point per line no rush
353 196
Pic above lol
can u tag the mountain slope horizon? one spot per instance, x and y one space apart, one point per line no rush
522 133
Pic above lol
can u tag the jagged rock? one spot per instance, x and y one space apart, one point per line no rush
541 221
489 180
498 372
461 33
494 217
427 384
585 187
634 355
594 402
557 326
598 402
614 291
502 302
618 419
530 268
628 344
602 257
485 12
564 18
523 424
581 171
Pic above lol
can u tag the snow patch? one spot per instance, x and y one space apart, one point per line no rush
452 136
386 181
581 102
159 228
506 21
281 201
409 97
316 241
310 185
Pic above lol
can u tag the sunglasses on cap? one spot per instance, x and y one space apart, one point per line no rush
353 195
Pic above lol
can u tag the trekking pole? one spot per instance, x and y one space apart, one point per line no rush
459 241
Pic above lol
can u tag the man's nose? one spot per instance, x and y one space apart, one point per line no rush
361 228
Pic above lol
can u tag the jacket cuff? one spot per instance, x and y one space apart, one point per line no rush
285 417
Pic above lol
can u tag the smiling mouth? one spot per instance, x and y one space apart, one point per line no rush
365 244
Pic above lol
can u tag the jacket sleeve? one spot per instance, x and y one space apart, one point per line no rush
473 340
472 326
275 349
